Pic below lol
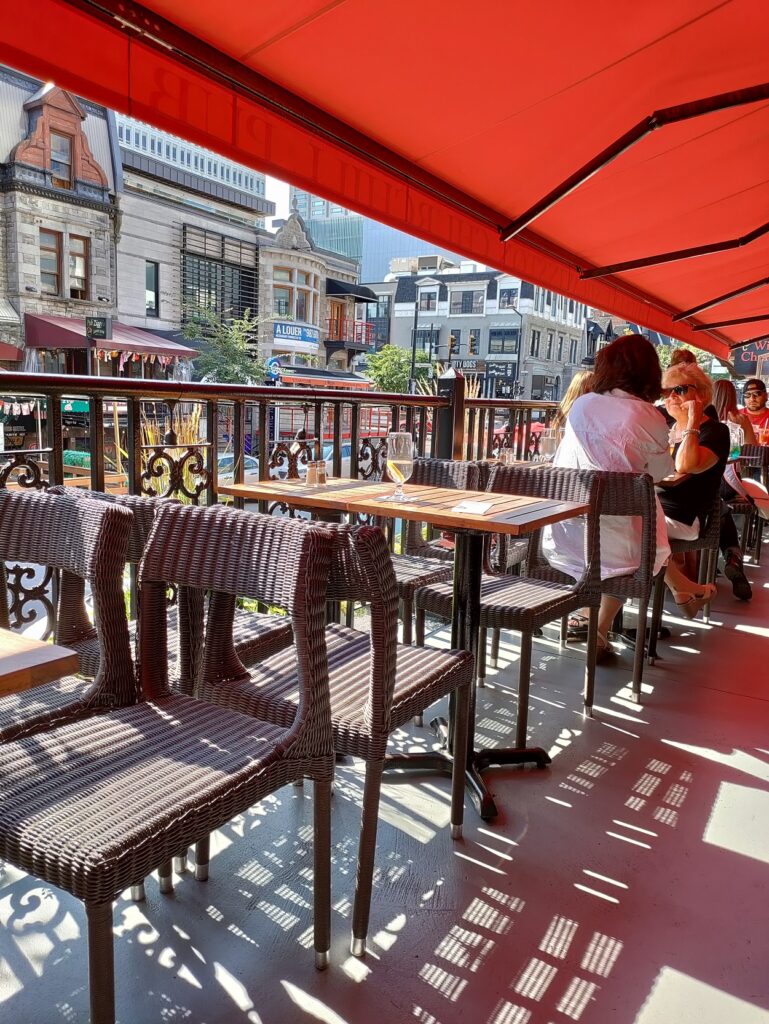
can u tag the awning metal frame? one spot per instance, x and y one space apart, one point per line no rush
659 119
732 323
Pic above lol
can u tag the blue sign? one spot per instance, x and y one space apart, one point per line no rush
272 366
286 331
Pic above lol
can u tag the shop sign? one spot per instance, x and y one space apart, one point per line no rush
471 365
98 328
285 331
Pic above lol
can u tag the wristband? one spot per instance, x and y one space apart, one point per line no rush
690 430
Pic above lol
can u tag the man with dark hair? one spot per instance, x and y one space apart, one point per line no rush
755 409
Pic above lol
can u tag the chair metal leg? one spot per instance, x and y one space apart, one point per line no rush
460 751
180 863
495 638
166 877
524 674
657 603
202 858
710 559
480 658
101 963
322 872
590 656
366 849
137 893
563 631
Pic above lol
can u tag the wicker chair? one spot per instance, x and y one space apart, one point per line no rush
163 770
632 494
256 636
707 544
376 685
84 541
753 531
425 562
542 594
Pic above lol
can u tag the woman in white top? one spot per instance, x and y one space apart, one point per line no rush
615 428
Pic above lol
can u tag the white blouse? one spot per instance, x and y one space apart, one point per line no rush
619 433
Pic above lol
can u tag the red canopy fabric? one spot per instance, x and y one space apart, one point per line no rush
449 122
67 332
9 353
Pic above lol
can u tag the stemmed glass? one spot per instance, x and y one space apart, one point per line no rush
400 463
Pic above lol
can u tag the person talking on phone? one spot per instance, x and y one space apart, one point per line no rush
700 450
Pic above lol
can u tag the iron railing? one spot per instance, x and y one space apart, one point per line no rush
181 440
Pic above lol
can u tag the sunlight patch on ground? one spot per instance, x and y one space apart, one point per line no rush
736 759
237 993
739 821
311 1006
753 630
685 1000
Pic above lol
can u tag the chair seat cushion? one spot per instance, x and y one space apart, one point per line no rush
507 602
95 805
411 572
422 676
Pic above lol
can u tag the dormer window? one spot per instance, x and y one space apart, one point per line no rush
61 160
428 302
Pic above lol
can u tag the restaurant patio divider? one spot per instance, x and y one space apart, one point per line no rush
170 439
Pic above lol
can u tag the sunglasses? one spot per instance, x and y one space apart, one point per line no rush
679 389
754 394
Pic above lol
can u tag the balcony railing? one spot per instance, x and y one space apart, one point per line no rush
181 440
356 332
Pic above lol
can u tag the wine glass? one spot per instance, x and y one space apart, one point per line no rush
400 463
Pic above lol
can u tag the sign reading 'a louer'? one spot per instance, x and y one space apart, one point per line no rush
283 330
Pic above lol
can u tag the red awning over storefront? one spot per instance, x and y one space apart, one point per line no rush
53 332
9 353
550 140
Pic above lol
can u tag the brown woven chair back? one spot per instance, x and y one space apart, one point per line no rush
556 484
143 512
280 562
86 541
632 494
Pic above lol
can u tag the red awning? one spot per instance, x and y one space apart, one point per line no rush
9 353
453 129
65 332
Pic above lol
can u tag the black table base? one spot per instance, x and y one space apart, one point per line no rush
468 567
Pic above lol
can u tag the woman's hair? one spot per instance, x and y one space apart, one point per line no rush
580 384
724 399
690 373
682 355
630 363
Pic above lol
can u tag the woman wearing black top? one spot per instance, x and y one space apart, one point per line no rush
701 449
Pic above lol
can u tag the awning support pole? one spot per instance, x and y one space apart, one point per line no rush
679 254
731 323
720 298
659 119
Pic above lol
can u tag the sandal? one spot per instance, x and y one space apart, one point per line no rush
694 603
576 627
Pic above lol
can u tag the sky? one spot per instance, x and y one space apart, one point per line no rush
277 191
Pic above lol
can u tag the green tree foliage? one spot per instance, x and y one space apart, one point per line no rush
229 350
390 368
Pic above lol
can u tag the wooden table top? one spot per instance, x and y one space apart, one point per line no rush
481 511
25 663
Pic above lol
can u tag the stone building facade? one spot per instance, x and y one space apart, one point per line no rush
58 214
517 339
